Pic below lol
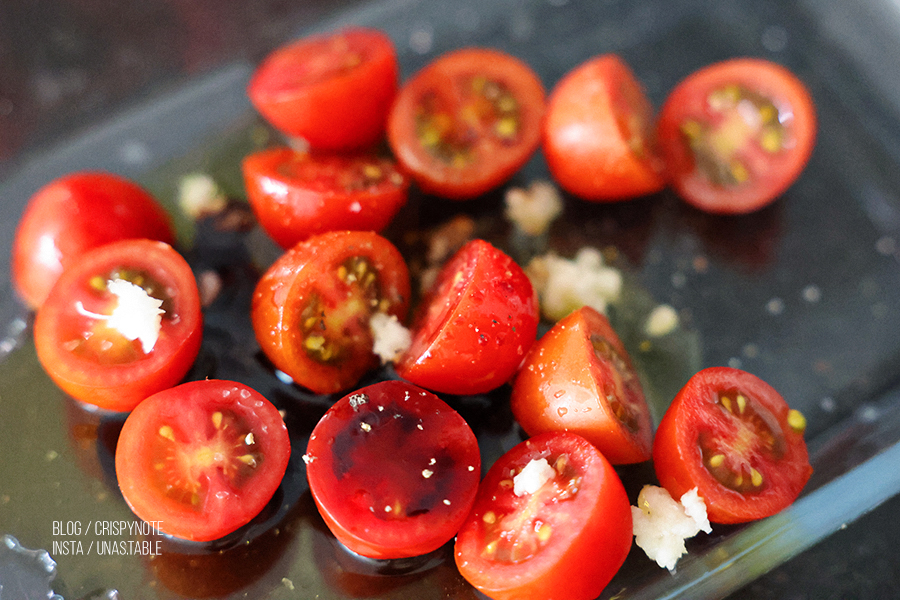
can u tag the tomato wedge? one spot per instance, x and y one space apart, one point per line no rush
732 436
202 459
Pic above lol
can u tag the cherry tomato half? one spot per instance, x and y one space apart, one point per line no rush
732 436
551 521
736 134
202 459
393 470
475 325
332 90
598 137
298 194
311 309
578 377
73 214
467 122
96 334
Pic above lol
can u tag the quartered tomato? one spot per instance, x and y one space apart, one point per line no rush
474 327
73 214
332 90
467 122
736 134
121 323
298 194
393 470
732 436
599 137
551 521
202 459
578 377
312 308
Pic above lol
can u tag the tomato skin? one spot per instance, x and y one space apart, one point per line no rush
295 195
566 383
590 530
73 214
475 325
693 420
598 135
309 273
768 172
488 158
385 448
101 377
332 90
177 429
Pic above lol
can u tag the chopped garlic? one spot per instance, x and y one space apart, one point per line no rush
391 338
137 316
199 195
661 524
662 320
564 285
530 479
535 208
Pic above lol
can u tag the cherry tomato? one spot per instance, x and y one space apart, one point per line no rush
332 90
736 134
73 214
598 137
298 194
732 436
95 334
474 327
311 309
467 122
551 520
202 459
393 470
578 377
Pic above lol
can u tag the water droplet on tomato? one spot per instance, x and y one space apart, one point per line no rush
561 411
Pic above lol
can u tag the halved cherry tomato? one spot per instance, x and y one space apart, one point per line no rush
475 325
202 459
563 536
598 136
732 436
736 134
332 90
467 122
393 470
298 194
73 214
578 377
312 308
96 345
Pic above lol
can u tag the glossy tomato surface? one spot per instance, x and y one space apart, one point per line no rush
467 121
333 90
579 377
73 214
599 135
732 436
312 308
82 332
295 195
393 470
475 325
202 459
736 134
564 537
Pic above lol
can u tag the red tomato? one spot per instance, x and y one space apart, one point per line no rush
85 332
731 435
467 122
202 459
311 309
73 214
578 377
564 539
333 90
475 325
736 134
598 136
297 194
393 470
